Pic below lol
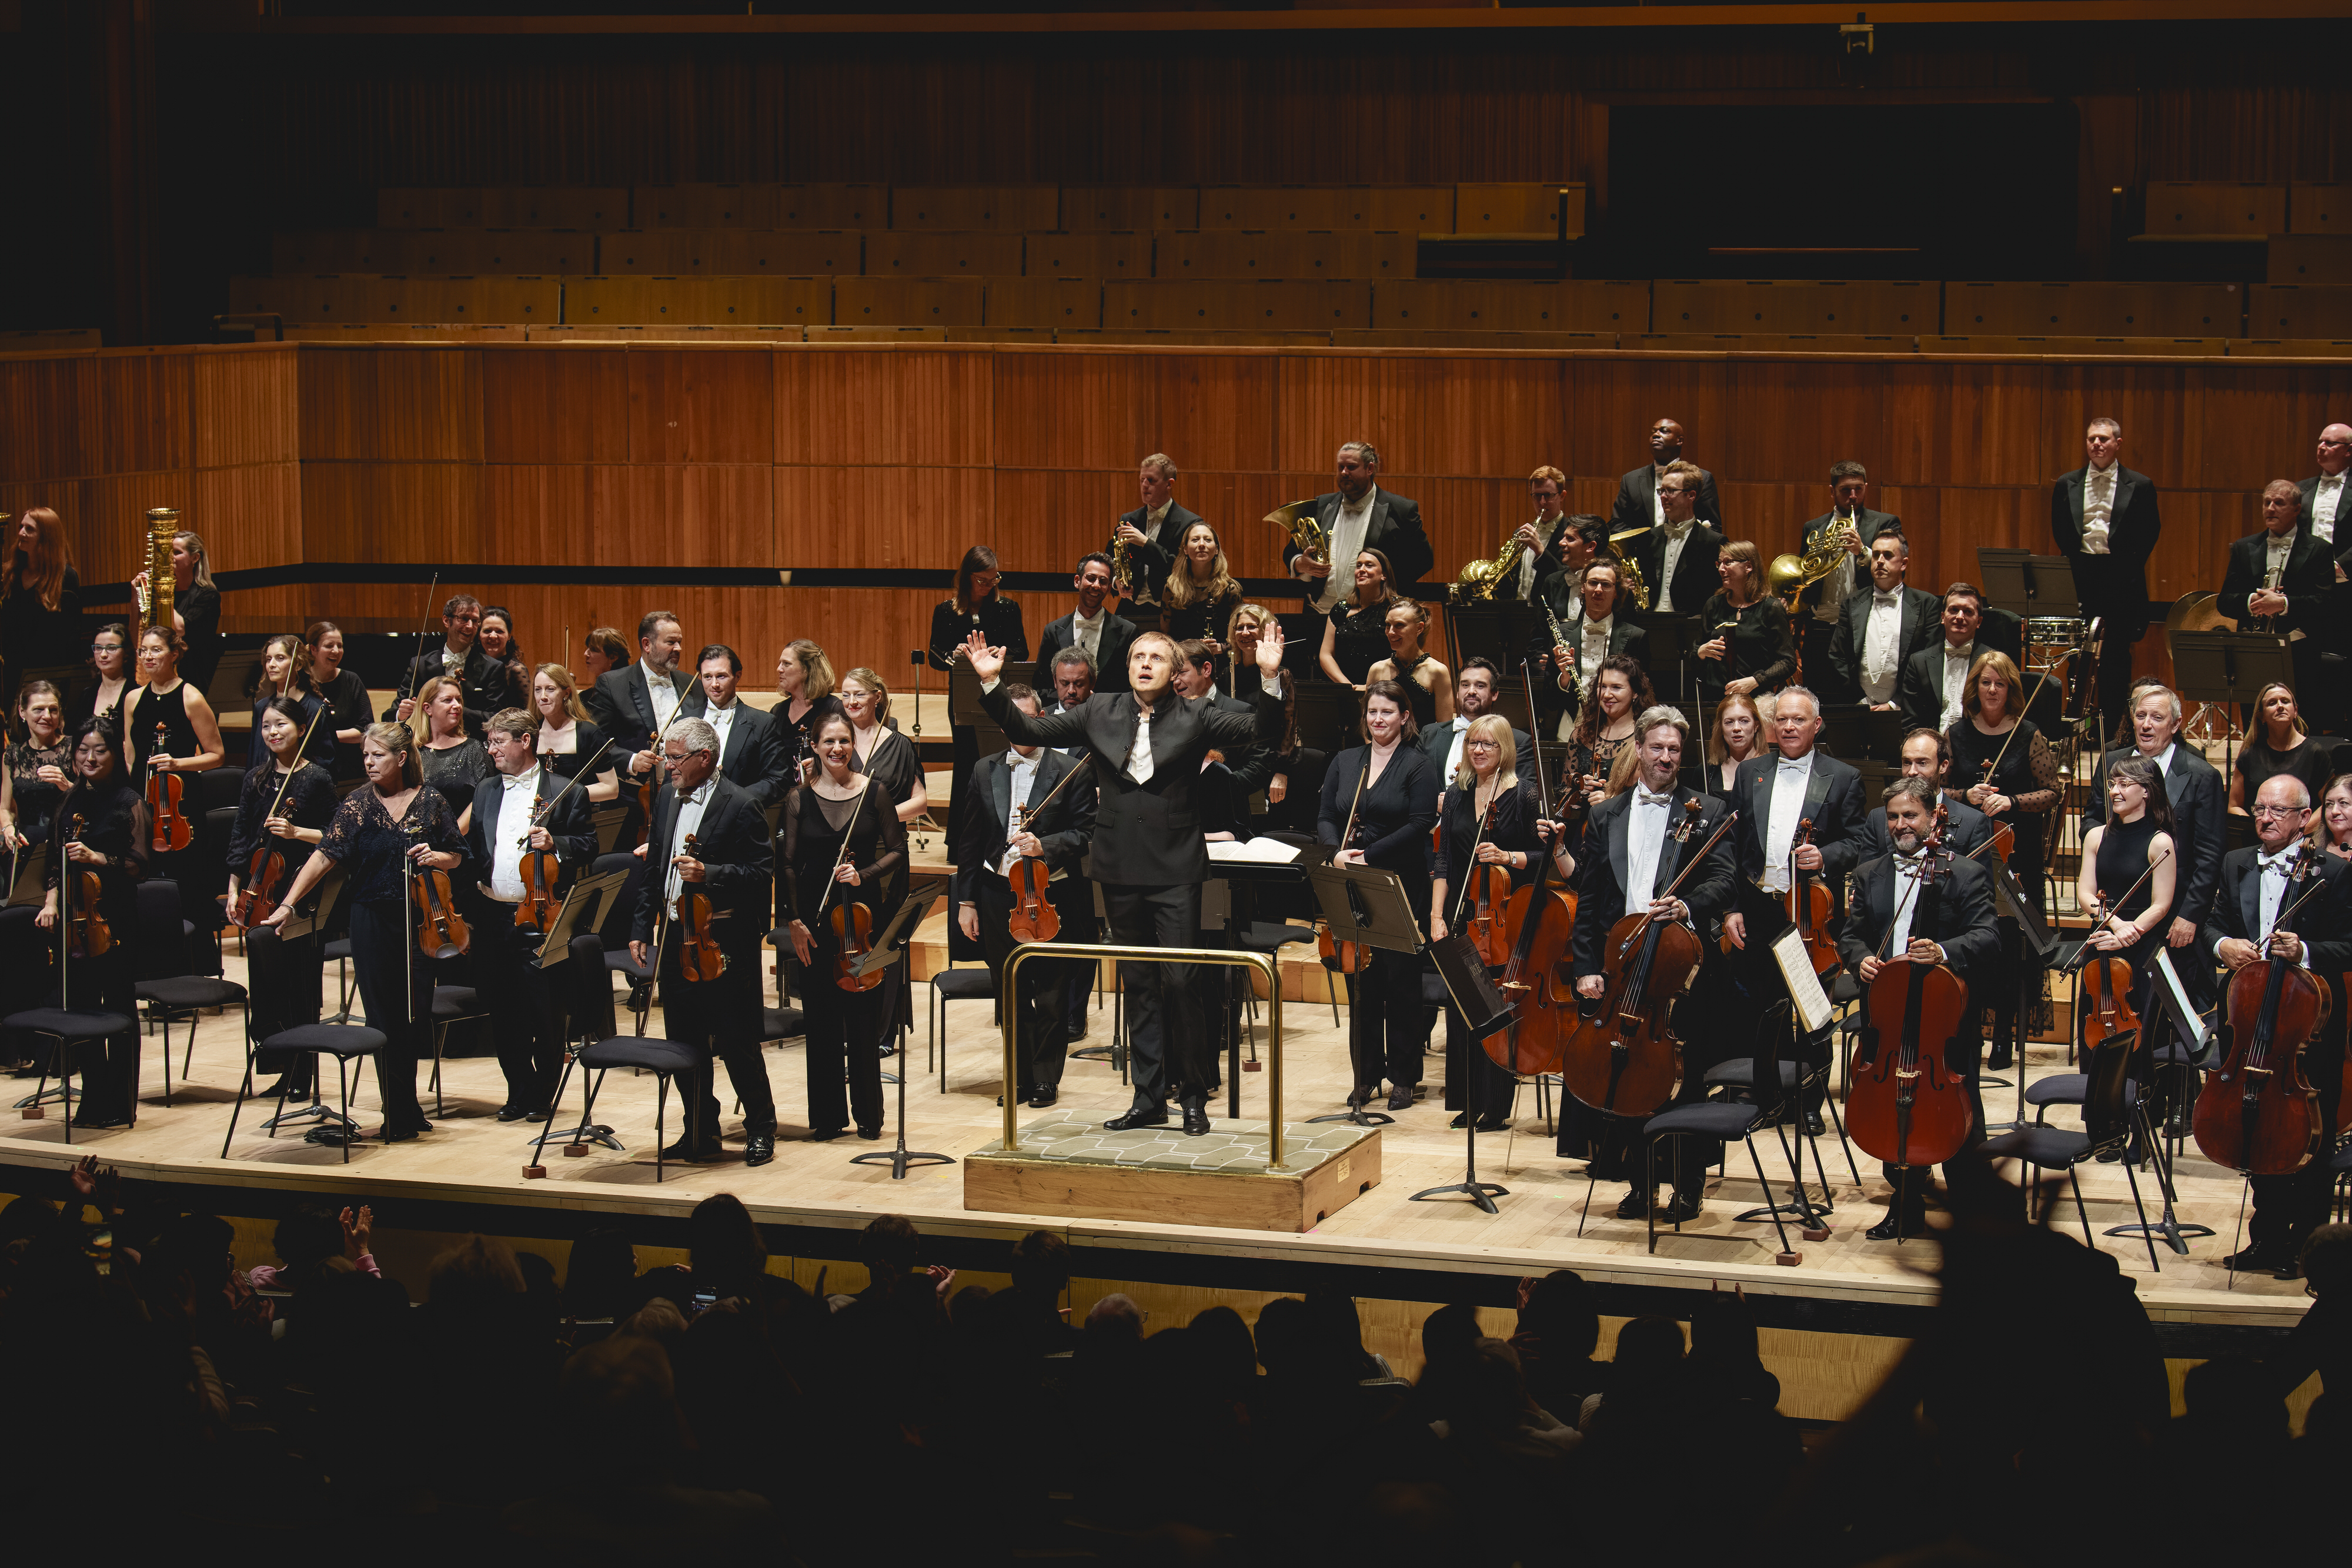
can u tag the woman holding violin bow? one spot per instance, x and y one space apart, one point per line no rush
283 809
396 841
99 851
1489 849
527 837
840 848
170 730
1029 823
702 911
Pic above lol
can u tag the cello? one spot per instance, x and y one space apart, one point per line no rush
1908 1108
169 825
2258 1113
1539 975
1625 1059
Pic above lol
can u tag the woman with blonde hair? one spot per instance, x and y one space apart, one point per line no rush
804 689
196 608
568 738
878 750
2281 744
452 760
1201 597
1487 817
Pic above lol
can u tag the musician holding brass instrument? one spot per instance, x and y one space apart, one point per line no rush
1834 564
1143 543
1357 516
2280 582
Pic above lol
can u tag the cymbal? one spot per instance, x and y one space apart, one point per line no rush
2197 613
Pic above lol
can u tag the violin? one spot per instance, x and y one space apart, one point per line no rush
853 924
2107 985
1811 906
700 957
1486 899
1624 1059
257 898
542 868
168 824
1346 958
87 934
1906 1107
1035 918
440 930
2258 1113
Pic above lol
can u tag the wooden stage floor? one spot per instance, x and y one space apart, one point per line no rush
471 1159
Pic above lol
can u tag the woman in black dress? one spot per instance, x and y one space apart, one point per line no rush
288 801
569 740
454 761
43 597
975 604
286 672
1427 684
804 694
36 772
2115 875
380 830
1749 647
497 641
879 750
2004 766
815 875
1737 735
1380 800
2331 824
110 662
342 691
196 608
1198 599
1357 637
2280 744
1488 782
101 824
1604 730
175 709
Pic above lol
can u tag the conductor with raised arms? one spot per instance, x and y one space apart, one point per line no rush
1148 746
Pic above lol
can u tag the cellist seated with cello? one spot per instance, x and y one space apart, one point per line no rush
1893 912
1636 846
1018 814
2288 1207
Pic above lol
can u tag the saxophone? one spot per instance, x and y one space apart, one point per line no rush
1122 568
1480 577
155 599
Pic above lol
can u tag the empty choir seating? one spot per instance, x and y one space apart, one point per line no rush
329 299
2095 309
1398 338
1141 208
704 206
2292 349
468 251
955 252
505 207
1791 306
1409 210
908 302
2152 348
1471 305
1096 254
1541 208
833 206
2310 258
633 301
795 253
1008 208
1241 254
2206 207
1241 304
2304 311
670 333
1269 207
1049 304
35 339
2316 209
410 333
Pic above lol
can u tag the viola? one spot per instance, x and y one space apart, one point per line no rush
540 870
169 824
1486 901
440 930
1538 975
1906 1108
87 934
1625 1059
2258 1113
1035 918
1811 906
699 956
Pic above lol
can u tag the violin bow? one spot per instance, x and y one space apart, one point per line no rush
1484 823
2106 911
416 664
540 808
1994 766
1347 840
1929 847
288 782
1689 866
834 881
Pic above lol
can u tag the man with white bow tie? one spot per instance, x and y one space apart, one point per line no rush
1881 626
1635 846
2242 929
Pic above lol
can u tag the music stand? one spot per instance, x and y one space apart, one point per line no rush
1488 1012
1673 639
2166 998
1500 630
2030 587
583 905
1851 733
1327 713
606 820
964 709
889 948
2229 667
1387 920
2010 899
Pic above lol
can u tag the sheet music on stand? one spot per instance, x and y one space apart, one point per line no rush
584 906
25 887
1796 967
2190 1024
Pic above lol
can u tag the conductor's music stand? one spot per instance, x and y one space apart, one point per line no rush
1364 903
1487 1012
890 947
2229 667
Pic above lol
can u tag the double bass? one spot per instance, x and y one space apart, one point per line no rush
1906 1108
1625 1059
2258 1113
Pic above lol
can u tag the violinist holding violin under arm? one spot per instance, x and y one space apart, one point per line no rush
1894 912
508 828
728 864
1058 825
2253 892
100 825
840 846
284 806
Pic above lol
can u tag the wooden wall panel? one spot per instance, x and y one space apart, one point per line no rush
142 410
53 425
565 405
1072 411
681 515
391 512
1962 423
251 514
701 407
245 407
883 406
1793 419
1612 404
905 516
423 405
